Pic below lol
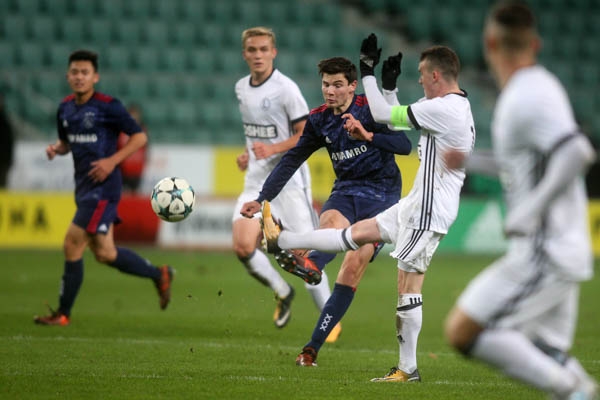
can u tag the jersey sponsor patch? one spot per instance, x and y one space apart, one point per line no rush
260 131
83 138
350 153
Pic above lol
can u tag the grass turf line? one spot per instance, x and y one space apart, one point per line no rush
217 338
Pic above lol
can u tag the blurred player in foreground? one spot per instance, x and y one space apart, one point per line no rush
367 182
519 315
274 113
88 125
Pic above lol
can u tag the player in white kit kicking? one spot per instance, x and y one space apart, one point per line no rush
417 223
519 314
273 113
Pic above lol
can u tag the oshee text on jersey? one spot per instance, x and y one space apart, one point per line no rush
260 131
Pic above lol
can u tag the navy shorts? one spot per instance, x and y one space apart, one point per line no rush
356 208
96 216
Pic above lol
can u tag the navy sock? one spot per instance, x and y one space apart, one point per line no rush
332 313
129 262
71 282
321 258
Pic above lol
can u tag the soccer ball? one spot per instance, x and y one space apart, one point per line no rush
172 199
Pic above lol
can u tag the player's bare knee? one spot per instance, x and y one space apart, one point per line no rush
100 258
243 251
73 248
68 247
350 272
460 331
451 333
104 256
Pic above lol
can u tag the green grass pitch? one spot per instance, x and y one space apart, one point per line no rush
217 339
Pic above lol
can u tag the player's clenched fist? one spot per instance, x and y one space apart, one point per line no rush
250 208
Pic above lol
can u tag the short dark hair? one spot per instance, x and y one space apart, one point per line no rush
337 65
84 55
444 59
516 20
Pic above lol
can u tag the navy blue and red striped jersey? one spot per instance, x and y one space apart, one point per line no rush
92 130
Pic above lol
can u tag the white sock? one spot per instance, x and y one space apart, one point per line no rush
260 266
327 240
515 355
409 318
321 292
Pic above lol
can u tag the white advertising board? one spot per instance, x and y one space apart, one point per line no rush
207 227
32 170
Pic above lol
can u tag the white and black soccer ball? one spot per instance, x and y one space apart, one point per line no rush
172 199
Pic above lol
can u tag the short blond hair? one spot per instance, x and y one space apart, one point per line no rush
257 31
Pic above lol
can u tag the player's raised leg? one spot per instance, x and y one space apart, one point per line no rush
300 266
290 261
129 262
327 240
294 207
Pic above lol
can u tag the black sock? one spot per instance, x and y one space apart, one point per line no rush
71 282
129 262
332 313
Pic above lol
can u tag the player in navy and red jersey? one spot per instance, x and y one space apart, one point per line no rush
89 124
367 181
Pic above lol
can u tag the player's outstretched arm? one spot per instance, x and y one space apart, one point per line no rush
369 58
570 160
380 109
289 164
384 109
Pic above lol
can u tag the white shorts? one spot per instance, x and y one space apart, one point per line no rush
522 291
293 207
413 248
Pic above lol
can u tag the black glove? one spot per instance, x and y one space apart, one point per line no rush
390 71
369 55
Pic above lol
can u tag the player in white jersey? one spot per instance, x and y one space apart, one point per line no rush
417 223
273 113
519 314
